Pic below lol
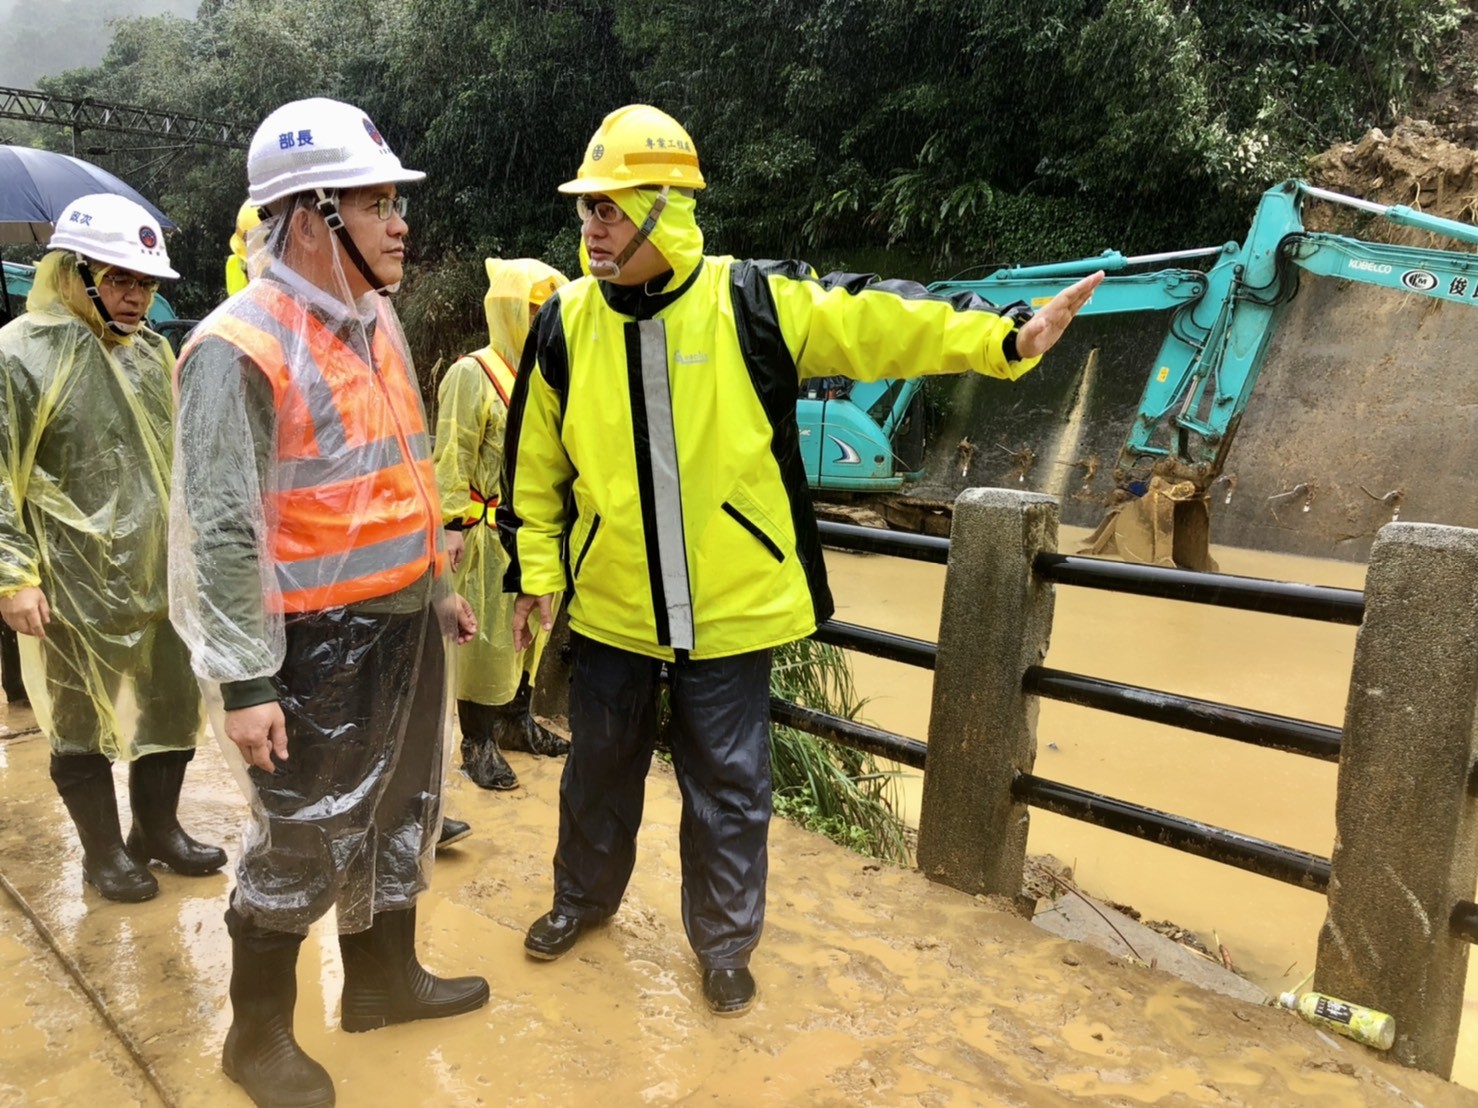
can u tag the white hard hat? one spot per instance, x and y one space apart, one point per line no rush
112 229
319 144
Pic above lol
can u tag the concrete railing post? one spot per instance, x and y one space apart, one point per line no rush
996 621
1406 845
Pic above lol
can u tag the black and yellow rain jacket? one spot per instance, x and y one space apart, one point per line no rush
652 448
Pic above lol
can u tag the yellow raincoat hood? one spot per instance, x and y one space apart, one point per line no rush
677 236
58 287
513 285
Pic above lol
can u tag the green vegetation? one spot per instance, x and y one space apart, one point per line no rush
824 787
959 133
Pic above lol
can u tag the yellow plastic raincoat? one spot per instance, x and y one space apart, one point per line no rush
85 453
471 417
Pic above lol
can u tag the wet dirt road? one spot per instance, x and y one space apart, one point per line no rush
1298 668
876 988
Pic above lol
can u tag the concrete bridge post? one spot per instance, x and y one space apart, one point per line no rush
996 621
1406 846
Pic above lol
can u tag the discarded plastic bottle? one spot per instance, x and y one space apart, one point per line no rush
1364 1025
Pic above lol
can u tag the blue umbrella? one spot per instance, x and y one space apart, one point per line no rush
37 185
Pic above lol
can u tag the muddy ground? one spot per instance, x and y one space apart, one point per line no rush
876 987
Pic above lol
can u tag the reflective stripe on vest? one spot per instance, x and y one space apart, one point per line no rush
351 509
499 373
502 378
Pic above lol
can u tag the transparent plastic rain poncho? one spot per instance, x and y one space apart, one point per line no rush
307 568
470 421
85 432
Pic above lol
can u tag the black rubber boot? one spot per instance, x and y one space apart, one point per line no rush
482 761
85 782
729 992
261 1054
10 668
154 784
384 983
515 728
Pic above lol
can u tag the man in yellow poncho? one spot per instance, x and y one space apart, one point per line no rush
493 680
85 451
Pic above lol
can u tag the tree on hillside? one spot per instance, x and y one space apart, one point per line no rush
954 129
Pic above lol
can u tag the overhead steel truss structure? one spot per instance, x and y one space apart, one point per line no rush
86 114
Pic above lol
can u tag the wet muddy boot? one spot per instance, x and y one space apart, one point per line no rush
85 782
515 728
10 668
384 983
261 1054
482 761
452 831
154 783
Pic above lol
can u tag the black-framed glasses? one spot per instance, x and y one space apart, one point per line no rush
127 282
385 205
605 210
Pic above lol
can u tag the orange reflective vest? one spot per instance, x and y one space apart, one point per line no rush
352 513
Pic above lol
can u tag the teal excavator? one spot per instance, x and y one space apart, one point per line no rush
866 437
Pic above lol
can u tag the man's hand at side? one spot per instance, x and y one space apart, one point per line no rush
27 612
523 607
259 732
456 547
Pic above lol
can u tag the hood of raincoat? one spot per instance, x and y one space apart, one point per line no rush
677 235
513 285
58 287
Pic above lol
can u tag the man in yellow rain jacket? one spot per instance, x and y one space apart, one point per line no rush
85 451
653 457
493 679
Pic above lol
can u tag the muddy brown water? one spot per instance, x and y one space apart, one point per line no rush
1293 667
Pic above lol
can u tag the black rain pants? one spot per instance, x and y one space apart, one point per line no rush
720 739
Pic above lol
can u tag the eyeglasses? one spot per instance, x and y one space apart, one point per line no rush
385 205
127 282
607 211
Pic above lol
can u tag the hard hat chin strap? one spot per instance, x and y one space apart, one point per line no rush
328 207
96 296
609 271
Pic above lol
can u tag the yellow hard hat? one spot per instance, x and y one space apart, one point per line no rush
637 146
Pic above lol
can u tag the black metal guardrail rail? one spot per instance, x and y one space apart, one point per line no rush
1253 594
1295 736
874 540
871 740
1316 740
880 644
1283 863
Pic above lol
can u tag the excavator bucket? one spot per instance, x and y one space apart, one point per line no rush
1169 525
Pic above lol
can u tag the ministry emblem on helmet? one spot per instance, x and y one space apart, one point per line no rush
148 237
372 132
